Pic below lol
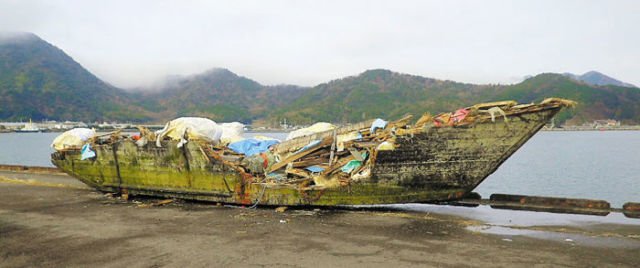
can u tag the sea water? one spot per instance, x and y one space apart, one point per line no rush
581 164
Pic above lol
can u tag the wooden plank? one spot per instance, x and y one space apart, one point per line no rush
298 172
338 165
400 122
296 143
364 144
299 155
310 162
508 103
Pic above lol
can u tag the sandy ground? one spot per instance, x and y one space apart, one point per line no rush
48 220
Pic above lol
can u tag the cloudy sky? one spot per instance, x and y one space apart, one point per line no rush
135 43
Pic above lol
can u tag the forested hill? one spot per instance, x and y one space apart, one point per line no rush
386 94
218 94
594 102
39 81
377 93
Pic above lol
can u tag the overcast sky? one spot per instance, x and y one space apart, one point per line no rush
134 43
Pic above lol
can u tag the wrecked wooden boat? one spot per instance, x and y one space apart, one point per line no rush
438 158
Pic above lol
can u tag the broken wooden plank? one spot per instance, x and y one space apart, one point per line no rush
294 144
479 106
299 155
309 162
159 203
356 155
364 144
423 120
400 122
338 165
298 172
410 131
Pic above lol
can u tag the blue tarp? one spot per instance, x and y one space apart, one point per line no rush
311 144
251 147
87 152
353 164
378 123
315 169
277 176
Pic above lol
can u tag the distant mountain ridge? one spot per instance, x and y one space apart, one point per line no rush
597 79
39 81
386 94
219 94
594 102
376 93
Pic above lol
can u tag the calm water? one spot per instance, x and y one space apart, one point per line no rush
583 164
587 164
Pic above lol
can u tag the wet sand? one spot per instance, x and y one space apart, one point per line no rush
49 220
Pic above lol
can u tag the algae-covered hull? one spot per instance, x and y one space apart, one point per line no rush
428 164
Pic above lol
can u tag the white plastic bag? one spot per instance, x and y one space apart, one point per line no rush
315 128
74 138
190 128
232 132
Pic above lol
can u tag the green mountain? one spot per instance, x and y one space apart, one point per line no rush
218 94
385 94
594 102
40 81
598 79
376 93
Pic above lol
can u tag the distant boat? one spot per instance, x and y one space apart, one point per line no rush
29 127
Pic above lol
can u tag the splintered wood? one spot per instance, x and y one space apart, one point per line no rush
325 158
322 156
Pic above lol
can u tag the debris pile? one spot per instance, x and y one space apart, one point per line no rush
330 157
324 156
319 156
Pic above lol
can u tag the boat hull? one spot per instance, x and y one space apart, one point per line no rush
437 164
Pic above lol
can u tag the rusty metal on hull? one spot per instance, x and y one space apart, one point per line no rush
428 164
